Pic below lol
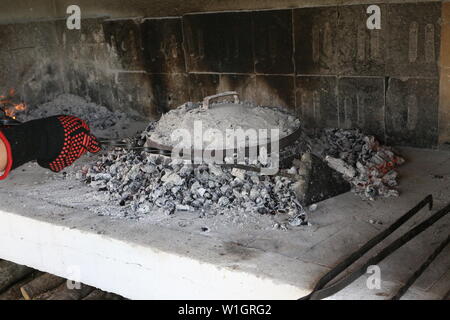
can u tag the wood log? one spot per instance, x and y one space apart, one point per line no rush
98 294
64 293
13 293
46 295
447 295
10 273
40 285
113 296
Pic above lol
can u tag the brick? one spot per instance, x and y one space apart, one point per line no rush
106 91
91 32
8 76
125 42
272 39
445 12
412 112
317 101
162 40
315 40
361 105
444 107
444 98
219 42
202 85
275 90
413 39
134 90
244 85
169 91
34 73
80 79
28 35
360 51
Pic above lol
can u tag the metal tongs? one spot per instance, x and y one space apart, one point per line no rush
323 289
132 144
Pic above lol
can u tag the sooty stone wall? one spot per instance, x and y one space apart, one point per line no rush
322 62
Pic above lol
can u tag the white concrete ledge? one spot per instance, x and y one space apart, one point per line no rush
129 269
139 259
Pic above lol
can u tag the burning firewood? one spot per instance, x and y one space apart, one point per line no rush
9 106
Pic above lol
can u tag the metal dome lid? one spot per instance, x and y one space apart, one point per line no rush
220 126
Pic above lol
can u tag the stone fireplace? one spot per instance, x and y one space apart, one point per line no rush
316 58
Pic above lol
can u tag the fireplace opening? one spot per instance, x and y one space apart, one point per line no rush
238 134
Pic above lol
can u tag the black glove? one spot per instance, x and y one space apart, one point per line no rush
55 142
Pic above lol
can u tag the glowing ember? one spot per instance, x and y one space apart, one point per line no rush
9 107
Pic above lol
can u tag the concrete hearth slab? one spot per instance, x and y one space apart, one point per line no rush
48 222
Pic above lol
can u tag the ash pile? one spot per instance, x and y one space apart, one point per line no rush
314 168
143 183
101 120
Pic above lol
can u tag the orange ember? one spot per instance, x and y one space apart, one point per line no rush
8 105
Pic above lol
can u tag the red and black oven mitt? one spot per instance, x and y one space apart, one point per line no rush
55 142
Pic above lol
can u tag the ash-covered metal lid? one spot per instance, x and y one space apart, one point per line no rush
220 126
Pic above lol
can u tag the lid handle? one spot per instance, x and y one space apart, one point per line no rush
207 100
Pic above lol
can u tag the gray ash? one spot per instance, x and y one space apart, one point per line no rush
101 120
